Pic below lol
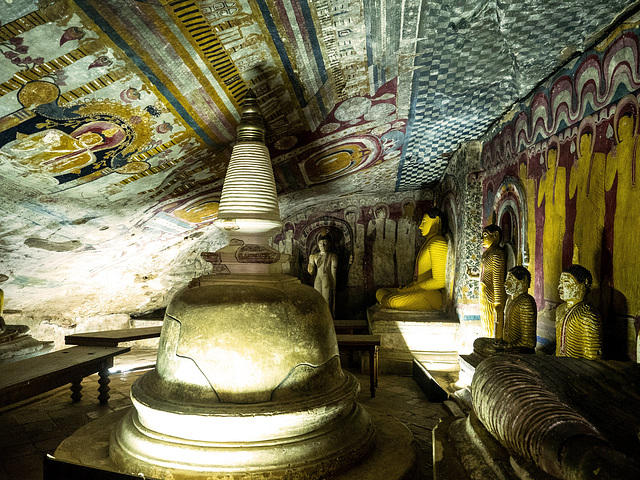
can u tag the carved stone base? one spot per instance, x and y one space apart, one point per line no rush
430 337
393 457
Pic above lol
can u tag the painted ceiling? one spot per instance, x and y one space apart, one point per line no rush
117 118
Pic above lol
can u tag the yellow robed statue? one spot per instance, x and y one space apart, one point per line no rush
519 332
578 323
426 291
492 277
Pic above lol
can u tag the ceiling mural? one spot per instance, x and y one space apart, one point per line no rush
117 118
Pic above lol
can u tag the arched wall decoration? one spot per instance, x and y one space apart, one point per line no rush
325 222
511 195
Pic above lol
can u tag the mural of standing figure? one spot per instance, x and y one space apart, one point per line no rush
519 334
426 292
290 246
492 276
406 242
586 185
324 264
384 245
352 215
552 189
578 323
622 164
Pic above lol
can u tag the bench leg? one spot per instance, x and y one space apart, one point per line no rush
375 364
104 386
372 370
76 390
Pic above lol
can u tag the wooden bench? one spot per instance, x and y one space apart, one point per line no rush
112 338
369 343
33 376
351 327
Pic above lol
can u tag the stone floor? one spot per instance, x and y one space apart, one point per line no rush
35 427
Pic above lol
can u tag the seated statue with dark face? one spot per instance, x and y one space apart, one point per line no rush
519 332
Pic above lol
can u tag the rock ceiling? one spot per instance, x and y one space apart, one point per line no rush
117 118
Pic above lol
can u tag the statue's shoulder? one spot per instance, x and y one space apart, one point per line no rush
437 240
585 311
524 299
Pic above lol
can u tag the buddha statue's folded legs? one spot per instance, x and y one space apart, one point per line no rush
410 298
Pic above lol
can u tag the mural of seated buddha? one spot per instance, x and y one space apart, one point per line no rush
426 291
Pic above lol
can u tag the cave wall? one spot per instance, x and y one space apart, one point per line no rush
561 171
375 236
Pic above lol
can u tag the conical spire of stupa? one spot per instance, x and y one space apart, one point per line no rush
249 202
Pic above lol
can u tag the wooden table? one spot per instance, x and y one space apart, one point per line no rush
370 343
33 376
112 338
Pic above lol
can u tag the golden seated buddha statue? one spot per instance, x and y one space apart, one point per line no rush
425 292
578 323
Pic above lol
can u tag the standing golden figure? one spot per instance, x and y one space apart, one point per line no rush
425 292
520 314
578 323
492 276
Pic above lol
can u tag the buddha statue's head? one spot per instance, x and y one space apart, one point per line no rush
491 235
324 242
625 127
586 144
552 157
431 222
518 281
289 230
381 212
408 208
351 215
575 283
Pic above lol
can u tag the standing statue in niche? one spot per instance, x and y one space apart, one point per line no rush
426 291
492 276
324 264
519 333
578 324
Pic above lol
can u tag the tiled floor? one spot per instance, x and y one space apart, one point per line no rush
30 429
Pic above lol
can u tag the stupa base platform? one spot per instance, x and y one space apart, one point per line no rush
23 346
431 337
394 456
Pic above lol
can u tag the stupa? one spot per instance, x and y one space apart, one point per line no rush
248 381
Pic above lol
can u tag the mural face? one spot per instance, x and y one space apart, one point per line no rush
577 169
